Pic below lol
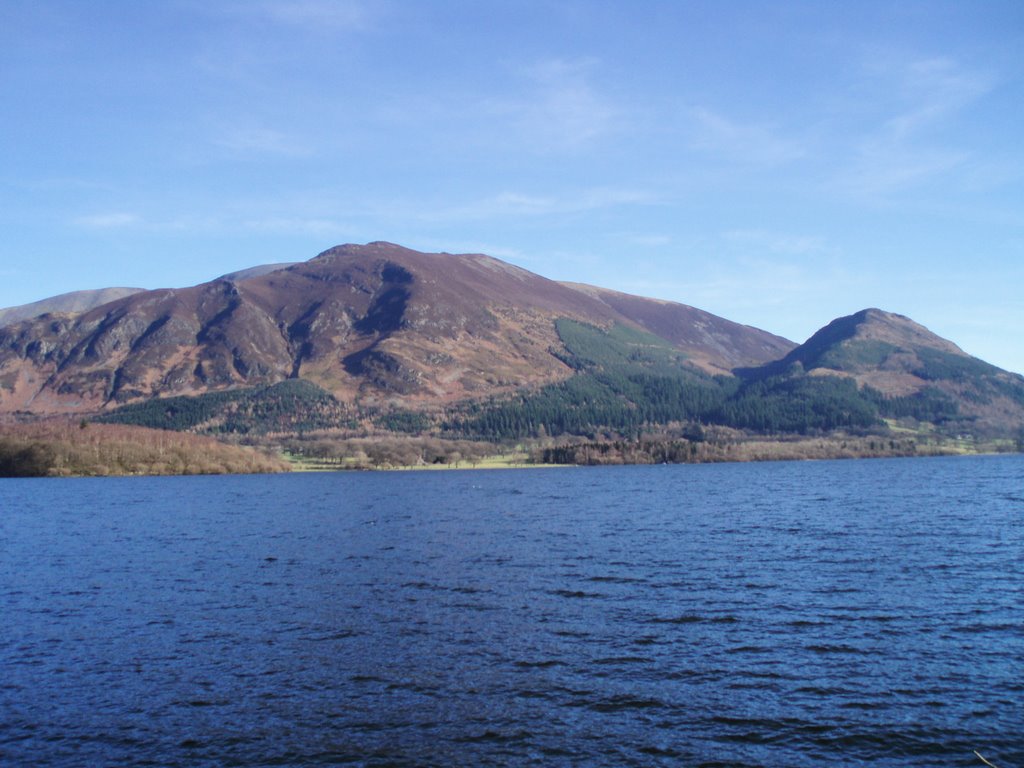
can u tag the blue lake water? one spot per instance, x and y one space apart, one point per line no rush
785 614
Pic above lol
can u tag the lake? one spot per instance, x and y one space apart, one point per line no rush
783 614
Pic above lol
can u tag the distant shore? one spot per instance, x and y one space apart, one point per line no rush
620 453
70 449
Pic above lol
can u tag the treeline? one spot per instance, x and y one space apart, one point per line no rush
289 406
588 403
800 404
401 420
936 365
930 404
613 452
626 379
60 448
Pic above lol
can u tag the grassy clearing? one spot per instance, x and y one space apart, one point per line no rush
511 460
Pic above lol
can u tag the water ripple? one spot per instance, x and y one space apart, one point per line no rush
797 614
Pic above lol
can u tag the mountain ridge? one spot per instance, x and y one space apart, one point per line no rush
72 302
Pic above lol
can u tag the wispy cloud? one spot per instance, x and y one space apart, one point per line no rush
561 108
766 241
905 147
777 280
112 220
934 89
755 281
265 37
881 168
65 183
510 204
297 225
316 15
255 139
771 268
788 296
741 142
646 239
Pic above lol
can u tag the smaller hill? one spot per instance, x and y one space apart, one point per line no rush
871 342
65 303
908 371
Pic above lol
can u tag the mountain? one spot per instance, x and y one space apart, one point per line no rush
76 301
910 372
469 346
373 324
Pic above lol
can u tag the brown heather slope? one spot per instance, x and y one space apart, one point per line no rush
374 322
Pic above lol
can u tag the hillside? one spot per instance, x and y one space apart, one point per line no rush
371 324
714 344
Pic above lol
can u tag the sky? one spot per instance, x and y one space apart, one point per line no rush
777 163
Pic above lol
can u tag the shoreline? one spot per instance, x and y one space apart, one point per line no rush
114 451
302 467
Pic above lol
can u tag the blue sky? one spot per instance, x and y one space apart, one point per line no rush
777 163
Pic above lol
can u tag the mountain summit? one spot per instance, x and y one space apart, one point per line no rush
878 347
